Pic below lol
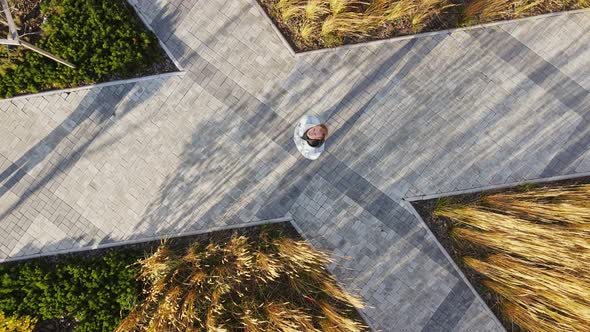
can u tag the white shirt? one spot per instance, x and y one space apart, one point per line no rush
309 152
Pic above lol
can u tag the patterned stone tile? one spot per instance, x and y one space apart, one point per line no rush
213 147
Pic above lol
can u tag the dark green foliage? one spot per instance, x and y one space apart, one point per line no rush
103 38
96 292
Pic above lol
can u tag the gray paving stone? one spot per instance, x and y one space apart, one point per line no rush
214 148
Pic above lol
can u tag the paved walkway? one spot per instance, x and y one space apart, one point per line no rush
213 147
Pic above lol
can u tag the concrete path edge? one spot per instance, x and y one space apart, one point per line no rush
99 85
494 187
153 238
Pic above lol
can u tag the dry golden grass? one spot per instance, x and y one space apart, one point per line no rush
334 22
341 6
188 310
300 256
540 241
566 204
330 288
327 21
426 10
482 11
133 321
337 322
268 266
253 318
524 7
348 24
546 282
276 284
315 9
308 30
522 237
391 11
532 313
489 10
158 265
530 248
283 318
290 8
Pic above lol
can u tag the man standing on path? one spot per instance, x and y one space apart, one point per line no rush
310 136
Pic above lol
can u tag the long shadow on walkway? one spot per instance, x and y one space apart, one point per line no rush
94 116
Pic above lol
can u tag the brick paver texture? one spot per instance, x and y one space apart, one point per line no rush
213 147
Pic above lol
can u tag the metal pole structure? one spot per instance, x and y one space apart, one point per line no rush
45 53
12 30
9 42
14 40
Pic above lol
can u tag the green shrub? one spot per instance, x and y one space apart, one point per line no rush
103 38
94 291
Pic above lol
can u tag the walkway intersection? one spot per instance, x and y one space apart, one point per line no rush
213 147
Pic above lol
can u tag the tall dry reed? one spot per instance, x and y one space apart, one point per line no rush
336 321
483 11
551 205
332 21
540 240
488 10
272 284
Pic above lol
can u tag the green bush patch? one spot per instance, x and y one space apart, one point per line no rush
105 39
94 292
